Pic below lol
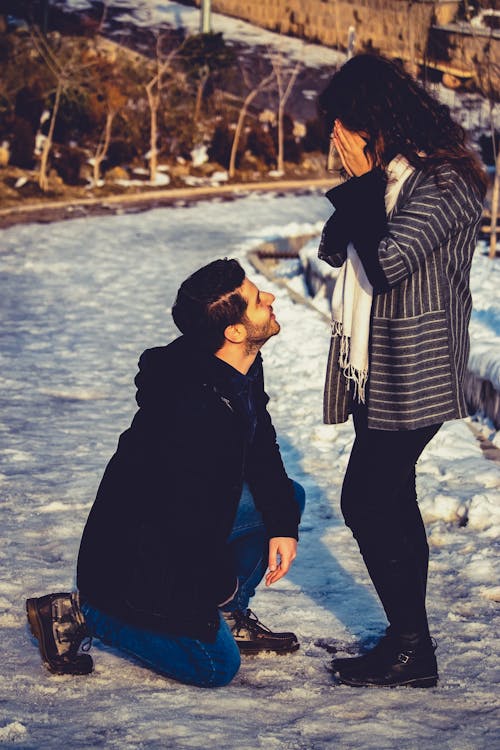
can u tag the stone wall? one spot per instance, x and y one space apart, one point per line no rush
396 28
385 25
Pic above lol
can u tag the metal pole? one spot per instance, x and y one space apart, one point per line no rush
351 41
205 23
44 16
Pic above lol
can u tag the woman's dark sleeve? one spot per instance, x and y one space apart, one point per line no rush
360 208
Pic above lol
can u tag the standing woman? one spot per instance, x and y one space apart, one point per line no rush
403 231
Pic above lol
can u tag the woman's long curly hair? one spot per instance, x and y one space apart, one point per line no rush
373 95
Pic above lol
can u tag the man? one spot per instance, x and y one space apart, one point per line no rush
193 507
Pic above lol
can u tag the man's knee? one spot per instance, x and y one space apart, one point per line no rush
223 674
218 663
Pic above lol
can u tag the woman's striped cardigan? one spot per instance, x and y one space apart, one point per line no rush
419 264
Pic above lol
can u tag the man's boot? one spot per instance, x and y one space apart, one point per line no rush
252 636
59 627
407 660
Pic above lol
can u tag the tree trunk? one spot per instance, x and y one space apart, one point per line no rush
154 103
281 140
153 161
236 139
283 98
153 91
494 209
241 118
199 94
43 180
102 148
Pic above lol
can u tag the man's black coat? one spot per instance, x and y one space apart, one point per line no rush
154 548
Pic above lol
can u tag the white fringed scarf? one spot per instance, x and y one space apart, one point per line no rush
353 294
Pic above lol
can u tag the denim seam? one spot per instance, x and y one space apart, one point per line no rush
245 527
208 683
247 578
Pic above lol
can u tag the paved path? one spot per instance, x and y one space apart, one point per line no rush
46 211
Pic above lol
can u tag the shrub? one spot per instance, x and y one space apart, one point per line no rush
292 149
222 143
120 152
23 144
315 139
29 104
68 161
260 144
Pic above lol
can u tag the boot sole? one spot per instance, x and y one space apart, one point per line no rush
37 631
253 649
418 682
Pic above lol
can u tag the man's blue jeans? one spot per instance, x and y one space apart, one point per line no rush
186 659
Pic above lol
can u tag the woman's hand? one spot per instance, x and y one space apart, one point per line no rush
351 148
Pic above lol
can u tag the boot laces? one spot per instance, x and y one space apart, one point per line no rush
249 619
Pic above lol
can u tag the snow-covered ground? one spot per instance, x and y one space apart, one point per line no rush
80 301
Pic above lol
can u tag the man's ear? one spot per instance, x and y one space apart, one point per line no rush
236 333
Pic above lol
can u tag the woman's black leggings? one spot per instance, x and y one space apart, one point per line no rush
379 504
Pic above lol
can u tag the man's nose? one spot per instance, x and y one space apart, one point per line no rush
269 298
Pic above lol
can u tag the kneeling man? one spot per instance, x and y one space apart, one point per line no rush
194 506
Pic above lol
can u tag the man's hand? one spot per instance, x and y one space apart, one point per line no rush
351 148
282 552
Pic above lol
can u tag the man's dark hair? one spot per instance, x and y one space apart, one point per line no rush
207 302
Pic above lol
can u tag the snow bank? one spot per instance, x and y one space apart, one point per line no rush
79 304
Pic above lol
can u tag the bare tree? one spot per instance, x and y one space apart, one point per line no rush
489 77
60 73
261 86
494 208
113 101
68 69
200 90
284 91
153 92
102 21
43 179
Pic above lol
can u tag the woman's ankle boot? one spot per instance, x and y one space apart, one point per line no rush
408 660
376 654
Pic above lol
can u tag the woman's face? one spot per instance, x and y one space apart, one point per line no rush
375 145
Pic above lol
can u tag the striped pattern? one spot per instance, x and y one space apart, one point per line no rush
419 335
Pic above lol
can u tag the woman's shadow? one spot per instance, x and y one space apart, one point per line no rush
318 572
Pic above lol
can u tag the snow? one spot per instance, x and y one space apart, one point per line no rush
485 324
147 12
79 304
199 155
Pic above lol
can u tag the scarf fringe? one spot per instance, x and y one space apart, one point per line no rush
358 377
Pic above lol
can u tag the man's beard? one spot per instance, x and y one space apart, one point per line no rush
258 335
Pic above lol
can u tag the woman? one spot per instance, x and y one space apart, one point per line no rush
404 232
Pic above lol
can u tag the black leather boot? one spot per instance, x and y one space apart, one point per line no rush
58 624
376 654
407 660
